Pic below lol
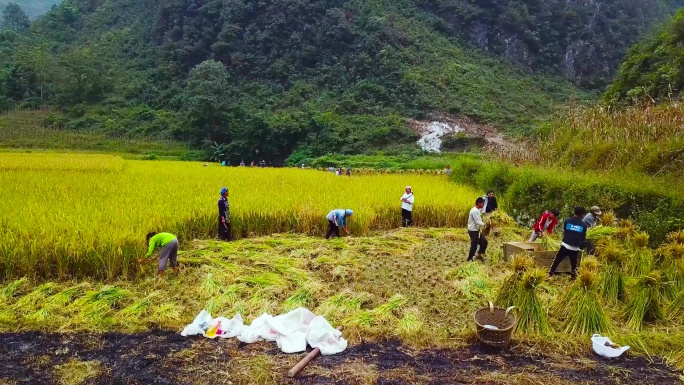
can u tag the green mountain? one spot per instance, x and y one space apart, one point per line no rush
654 68
32 8
277 76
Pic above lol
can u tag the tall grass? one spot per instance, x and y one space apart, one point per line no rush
87 215
644 139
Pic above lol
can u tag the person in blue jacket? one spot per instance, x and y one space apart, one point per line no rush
337 219
574 235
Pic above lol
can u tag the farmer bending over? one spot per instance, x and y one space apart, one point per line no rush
547 222
474 225
337 219
169 250
574 235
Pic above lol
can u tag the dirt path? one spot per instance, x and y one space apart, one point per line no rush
163 357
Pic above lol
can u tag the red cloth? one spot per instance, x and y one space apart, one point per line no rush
539 226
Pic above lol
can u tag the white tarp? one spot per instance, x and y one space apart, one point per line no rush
291 331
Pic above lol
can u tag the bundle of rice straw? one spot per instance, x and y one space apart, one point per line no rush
581 307
646 304
600 232
549 244
500 219
611 284
508 291
533 317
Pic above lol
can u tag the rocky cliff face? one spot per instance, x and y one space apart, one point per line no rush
583 39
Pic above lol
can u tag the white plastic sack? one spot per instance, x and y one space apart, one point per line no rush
291 329
199 325
325 337
258 330
225 328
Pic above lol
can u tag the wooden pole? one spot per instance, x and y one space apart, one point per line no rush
297 368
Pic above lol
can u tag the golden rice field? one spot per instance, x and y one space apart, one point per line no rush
77 215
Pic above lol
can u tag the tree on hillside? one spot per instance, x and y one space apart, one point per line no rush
206 94
14 18
37 58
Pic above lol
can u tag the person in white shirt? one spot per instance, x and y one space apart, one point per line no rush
476 238
407 207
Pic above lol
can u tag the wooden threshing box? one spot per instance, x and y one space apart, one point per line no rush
544 259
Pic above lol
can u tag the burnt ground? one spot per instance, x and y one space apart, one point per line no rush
163 357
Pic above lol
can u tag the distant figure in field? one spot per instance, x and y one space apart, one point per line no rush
574 236
337 219
547 222
302 166
251 164
262 164
348 171
224 216
242 163
407 207
169 250
478 243
448 170
490 202
223 164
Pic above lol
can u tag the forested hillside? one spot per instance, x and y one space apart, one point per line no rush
273 77
654 68
32 8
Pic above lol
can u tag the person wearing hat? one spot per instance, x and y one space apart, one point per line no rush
592 219
169 250
574 237
407 207
337 219
224 216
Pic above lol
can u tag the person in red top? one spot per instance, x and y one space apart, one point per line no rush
547 222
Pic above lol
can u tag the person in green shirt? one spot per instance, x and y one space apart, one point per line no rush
169 250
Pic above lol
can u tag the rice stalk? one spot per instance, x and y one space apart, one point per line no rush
676 308
11 288
676 237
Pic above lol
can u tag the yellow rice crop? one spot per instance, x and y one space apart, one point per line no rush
71 215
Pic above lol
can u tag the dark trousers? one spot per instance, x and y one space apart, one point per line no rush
562 253
224 229
477 239
406 218
589 248
333 229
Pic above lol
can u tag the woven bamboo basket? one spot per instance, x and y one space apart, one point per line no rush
495 325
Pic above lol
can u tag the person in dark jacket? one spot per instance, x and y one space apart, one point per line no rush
574 235
547 222
490 202
224 216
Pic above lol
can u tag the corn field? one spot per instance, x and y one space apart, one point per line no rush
71 215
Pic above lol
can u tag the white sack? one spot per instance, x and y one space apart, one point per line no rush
258 330
291 329
199 325
325 337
